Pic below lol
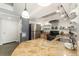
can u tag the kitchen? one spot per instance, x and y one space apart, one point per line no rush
47 29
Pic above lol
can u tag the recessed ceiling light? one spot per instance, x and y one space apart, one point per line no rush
62 15
57 11
44 4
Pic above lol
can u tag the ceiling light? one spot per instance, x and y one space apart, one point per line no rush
44 4
25 13
62 15
57 11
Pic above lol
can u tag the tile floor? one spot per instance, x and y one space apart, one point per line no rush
7 49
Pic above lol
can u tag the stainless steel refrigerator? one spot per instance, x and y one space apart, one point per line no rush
34 31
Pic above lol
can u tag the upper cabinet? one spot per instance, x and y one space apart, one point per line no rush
6 6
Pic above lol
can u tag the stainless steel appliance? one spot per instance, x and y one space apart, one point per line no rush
34 31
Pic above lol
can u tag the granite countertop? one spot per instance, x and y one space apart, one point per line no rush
42 47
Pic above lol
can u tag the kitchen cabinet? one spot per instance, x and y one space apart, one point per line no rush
9 29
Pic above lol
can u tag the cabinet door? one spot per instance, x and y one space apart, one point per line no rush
9 30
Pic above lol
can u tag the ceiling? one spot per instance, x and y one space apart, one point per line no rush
42 14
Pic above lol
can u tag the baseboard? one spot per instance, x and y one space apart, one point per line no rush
8 42
1 44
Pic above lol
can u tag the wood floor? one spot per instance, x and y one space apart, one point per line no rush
42 47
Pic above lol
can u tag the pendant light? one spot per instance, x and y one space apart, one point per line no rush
25 13
64 12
